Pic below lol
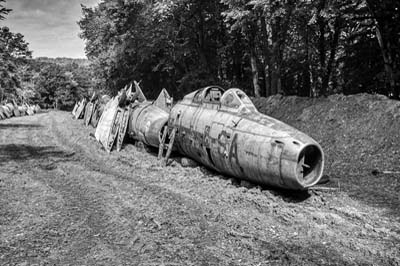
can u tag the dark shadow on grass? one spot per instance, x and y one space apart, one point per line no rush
17 126
21 153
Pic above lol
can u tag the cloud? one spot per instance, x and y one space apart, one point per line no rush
50 26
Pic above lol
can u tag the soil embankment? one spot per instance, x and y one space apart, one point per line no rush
360 135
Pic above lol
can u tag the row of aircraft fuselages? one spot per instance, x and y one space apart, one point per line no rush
9 110
220 129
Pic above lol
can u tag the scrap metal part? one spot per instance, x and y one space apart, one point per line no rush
80 110
106 122
30 110
2 113
131 113
98 109
148 119
9 110
74 110
146 123
90 107
22 110
219 129
114 116
123 126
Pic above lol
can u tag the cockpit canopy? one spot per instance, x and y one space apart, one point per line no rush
211 94
230 100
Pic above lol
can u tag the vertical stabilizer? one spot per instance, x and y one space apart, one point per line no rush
129 91
139 93
93 98
164 101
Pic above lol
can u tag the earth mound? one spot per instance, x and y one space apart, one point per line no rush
360 137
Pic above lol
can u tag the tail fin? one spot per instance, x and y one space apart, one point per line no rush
164 101
139 93
94 96
129 90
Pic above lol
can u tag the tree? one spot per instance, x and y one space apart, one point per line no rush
302 47
386 17
60 82
13 54
3 11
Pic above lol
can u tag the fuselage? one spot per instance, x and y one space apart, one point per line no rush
147 122
224 131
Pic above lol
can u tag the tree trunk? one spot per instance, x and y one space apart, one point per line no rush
255 74
306 89
280 30
384 45
201 42
387 59
267 76
332 57
266 57
321 48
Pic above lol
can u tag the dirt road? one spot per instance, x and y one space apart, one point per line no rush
65 201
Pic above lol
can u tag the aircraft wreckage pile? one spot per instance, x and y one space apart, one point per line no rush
219 129
9 110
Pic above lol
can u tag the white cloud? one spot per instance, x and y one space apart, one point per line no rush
50 26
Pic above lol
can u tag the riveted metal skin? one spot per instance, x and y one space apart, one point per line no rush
146 123
224 131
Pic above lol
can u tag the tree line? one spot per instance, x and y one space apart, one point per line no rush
57 83
291 47
266 47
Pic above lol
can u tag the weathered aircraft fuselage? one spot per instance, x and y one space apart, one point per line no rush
148 120
146 123
224 131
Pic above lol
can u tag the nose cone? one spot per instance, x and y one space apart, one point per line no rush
310 165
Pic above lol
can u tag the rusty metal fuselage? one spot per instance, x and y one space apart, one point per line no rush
146 123
148 120
224 131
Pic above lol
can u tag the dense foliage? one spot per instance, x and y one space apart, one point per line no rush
308 48
60 82
13 54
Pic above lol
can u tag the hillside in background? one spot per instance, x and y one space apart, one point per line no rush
81 62
57 82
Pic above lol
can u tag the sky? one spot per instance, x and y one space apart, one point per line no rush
49 26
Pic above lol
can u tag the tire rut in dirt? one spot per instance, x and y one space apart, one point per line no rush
173 204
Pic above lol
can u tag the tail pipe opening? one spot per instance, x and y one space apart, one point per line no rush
310 165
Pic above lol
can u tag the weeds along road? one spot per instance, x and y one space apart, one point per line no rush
65 201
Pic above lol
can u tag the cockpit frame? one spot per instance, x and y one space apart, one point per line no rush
233 100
